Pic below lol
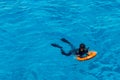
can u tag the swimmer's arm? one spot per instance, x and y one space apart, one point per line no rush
87 48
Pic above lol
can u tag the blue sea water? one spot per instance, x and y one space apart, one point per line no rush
28 27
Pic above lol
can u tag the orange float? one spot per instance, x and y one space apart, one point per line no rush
91 54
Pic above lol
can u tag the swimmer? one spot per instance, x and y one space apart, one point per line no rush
81 51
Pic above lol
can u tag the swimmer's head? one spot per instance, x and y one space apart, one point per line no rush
82 45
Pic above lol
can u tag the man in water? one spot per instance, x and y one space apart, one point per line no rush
82 51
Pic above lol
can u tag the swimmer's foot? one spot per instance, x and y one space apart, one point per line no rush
66 41
56 45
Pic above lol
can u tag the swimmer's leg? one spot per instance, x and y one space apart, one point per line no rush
66 41
56 45
62 51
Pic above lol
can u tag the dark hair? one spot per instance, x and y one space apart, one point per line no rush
82 45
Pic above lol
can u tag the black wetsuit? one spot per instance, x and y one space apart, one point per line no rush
76 52
73 49
81 53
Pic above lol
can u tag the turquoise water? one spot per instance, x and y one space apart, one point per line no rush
28 27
